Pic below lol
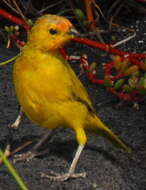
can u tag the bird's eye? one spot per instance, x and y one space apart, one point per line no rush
53 31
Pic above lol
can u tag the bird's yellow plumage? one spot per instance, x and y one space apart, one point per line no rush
49 91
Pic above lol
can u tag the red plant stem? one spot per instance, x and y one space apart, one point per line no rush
93 78
108 48
64 54
89 13
136 62
99 45
118 76
108 67
96 81
138 55
14 19
17 41
125 96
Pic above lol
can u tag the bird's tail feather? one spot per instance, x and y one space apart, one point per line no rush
98 127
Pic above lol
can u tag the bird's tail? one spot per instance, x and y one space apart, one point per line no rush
98 127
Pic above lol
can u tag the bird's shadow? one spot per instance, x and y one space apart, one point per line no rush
57 147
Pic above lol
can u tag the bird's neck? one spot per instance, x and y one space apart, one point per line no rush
33 52
34 49
35 55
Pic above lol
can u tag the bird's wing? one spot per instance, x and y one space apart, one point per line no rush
78 91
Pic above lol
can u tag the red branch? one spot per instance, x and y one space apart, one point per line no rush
89 13
108 48
134 96
14 19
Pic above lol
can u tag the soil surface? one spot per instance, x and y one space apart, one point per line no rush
107 168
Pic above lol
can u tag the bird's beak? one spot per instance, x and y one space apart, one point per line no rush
73 32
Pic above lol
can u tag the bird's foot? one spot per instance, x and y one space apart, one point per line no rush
27 156
17 122
63 177
24 157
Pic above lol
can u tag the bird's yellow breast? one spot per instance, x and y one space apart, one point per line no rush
44 85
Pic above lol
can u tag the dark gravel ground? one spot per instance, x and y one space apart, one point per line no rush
107 168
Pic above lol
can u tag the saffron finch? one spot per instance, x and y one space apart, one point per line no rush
50 93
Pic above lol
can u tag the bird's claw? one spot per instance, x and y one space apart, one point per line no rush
26 157
62 177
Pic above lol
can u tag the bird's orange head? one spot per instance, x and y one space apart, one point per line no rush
50 32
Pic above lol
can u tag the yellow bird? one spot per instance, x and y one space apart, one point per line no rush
50 93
